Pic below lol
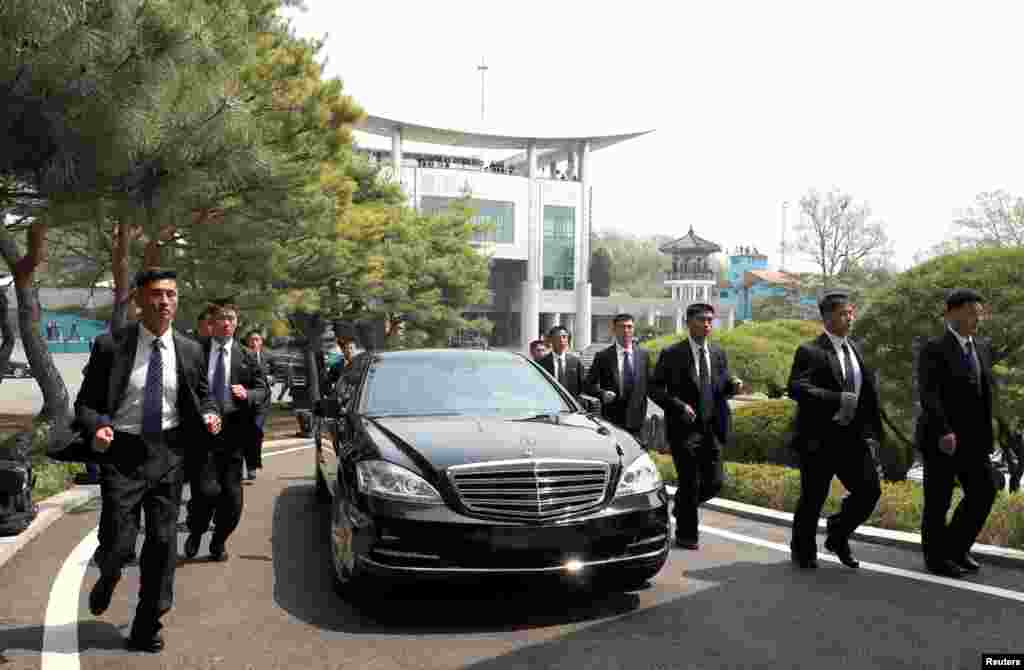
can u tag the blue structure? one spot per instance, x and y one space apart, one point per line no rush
69 333
749 279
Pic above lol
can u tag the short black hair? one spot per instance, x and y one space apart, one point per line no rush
625 316
962 296
555 331
251 333
832 299
207 312
153 274
698 309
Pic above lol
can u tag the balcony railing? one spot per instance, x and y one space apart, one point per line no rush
702 275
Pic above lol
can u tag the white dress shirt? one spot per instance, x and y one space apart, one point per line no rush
128 418
211 366
621 356
695 348
559 361
838 343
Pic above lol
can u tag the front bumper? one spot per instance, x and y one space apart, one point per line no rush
631 533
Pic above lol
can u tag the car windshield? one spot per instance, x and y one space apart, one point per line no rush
441 383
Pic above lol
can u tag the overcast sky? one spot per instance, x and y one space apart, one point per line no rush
914 107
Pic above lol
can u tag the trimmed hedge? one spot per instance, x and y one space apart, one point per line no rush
778 487
760 432
760 352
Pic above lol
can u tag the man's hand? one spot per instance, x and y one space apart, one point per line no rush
608 397
212 422
239 392
688 412
104 436
737 384
947 443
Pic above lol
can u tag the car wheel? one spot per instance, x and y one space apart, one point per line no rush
349 582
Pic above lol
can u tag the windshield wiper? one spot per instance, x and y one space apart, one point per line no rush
395 415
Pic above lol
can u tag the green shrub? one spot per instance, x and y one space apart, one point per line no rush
760 353
760 432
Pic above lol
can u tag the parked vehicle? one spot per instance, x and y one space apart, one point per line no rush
455 463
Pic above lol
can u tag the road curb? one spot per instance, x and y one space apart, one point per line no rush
1003 556
55 507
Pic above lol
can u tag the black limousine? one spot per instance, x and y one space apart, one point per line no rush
458 463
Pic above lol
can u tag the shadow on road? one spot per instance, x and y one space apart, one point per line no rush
303 587
92 636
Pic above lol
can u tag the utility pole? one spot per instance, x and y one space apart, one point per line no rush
482 68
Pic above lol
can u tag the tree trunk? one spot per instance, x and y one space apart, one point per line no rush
123 235
6 332
56 405
312 327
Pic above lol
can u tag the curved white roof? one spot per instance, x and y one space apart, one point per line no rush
413 132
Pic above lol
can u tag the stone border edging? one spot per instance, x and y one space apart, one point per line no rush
53 508
990 553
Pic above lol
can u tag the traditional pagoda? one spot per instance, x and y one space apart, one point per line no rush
691 278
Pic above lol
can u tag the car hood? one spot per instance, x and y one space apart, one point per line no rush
447 441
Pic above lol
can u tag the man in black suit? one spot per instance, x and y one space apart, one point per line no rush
955 436
838 425
239 388
254 447
144 402
692 384
562 365
618 376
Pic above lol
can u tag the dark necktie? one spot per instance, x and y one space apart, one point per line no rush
972 366
153 394
848 383
220 386
561 370
707 406
627 372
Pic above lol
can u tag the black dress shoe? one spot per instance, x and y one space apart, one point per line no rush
692 545
842 551
102 592
967 563
945 569
218 553
804 562
152 645
192 545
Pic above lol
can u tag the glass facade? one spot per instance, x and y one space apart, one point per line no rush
501 215
559 248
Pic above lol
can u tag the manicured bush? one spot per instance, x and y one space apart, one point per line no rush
899 508
760 433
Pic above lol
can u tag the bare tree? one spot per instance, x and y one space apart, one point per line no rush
835 233
997 220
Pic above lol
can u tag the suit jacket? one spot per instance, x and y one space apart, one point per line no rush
573 372
264 364
106 378
604 376
245 371
816 384
675 381
950 403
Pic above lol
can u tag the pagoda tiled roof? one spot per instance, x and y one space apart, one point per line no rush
690 242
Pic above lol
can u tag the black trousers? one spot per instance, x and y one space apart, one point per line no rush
698 461
254 445
217 486
939 540
131 486
847 457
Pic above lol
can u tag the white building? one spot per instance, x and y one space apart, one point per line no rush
538 201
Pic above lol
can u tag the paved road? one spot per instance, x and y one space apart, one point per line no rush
736 603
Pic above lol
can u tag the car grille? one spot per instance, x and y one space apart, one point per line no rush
531 489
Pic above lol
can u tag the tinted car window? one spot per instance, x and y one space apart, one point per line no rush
466 383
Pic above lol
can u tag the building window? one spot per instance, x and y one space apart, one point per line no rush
724 293
559 248
500 216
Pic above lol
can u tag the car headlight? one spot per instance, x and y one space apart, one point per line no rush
394 482
640 477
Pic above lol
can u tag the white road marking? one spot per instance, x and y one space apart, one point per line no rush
60 635
60 628
877 567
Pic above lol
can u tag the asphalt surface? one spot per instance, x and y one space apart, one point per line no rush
732 604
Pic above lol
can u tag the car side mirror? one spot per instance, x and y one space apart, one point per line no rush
591 404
